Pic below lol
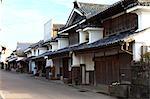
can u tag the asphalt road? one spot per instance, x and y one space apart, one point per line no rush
22 86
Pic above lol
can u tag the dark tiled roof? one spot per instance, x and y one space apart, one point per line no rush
12 59
87 9
121 6
100 43
110 40
91 8
66 49
63 50
62 36
29 58
106 41
22 46
42 55
37 44
47 42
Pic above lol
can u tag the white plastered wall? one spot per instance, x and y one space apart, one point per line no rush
75 60
142 38
32 52
57 63
33 67
82 36
94 34
54 46
42 50
86 59
62 43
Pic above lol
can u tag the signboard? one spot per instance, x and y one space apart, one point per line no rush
48 26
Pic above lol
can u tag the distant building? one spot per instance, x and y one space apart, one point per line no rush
36 52
16 61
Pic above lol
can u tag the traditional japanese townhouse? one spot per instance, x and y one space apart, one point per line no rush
122 40
53 66
16 60
108 41
30 54
11 62
22 65
38 62
81 66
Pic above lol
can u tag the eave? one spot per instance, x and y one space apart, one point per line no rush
71 27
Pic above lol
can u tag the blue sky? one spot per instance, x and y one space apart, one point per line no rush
23 20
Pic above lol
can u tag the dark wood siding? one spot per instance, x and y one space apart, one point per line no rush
91 77
75 18
108 69
73 38
99 73
119 24
76 75
125 67
65 68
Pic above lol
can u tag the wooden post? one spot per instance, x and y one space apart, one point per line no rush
94 71
119 64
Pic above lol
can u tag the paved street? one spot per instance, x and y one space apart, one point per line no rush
21 86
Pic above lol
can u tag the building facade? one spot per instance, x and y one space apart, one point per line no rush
102 45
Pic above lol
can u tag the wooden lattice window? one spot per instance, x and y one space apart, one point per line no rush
120 24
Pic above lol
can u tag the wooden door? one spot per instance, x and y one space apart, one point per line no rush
100 71
65 70
76 75
125 69
83 74
107 69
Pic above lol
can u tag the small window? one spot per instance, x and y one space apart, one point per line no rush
50 47
87 37
34 51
